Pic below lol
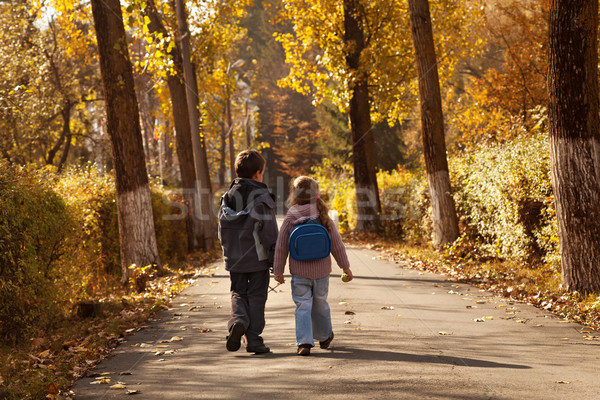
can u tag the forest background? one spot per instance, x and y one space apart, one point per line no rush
270 75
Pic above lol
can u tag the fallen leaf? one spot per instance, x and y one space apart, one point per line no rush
479 320
358 329
44 354
119 385
341 303
204 330
348 322
566 382
175 339
387 307
480 302
488 317
350 313
565 338
131 392
125 373
443 333
520 321
1 380
53 390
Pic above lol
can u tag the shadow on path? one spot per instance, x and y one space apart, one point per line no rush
349 353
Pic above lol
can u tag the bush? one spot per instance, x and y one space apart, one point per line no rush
504 198
403 195
405 205
91 198
34 224
59 243
336 184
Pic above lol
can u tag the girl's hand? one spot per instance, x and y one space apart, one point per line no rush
279 278
349 273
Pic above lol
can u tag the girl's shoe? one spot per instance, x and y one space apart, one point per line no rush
304 350
325 343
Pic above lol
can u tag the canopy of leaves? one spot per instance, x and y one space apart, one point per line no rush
316 51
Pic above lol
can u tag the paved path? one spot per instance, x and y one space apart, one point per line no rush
400 334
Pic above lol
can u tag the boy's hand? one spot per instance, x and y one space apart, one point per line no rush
279 278
348 272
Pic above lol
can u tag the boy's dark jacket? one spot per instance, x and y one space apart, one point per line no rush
247 226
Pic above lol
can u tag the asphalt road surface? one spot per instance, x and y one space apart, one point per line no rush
399 334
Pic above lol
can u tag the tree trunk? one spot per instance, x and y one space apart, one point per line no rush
573 123
230 137
183 136
222 151
65 153
203 186
136 223
363 145
66 132
445 223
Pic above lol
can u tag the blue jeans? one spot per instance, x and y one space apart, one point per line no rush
313 317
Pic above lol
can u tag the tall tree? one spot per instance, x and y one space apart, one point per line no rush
181 118
445 223
574 128
357 54
203 185
136 224
363 146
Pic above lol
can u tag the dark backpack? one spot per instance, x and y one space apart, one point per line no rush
309 240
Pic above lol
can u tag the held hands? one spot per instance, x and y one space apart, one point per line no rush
347 276
279 278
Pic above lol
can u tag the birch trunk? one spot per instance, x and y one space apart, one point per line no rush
445 222
136 223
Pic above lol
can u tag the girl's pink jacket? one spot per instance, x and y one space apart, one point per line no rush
308 269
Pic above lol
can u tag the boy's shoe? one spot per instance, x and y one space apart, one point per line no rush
325 343
235 336
260 349
304 350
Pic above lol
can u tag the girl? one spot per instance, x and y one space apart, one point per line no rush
310 279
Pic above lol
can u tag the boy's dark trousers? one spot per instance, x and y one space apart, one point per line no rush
248 298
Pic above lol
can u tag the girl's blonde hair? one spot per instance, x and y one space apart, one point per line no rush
305 190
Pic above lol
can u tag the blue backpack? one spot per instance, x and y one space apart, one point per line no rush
309 240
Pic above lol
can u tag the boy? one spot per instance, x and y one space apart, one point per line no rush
248 232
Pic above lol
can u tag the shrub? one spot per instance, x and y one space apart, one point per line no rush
337 186
504 198
59 243
404 205
34 223
91 198
403 195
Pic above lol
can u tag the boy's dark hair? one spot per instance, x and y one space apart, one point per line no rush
248 162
